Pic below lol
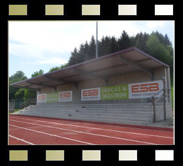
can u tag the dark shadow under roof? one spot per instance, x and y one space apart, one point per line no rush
124 61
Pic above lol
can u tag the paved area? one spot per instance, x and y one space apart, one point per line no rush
169 123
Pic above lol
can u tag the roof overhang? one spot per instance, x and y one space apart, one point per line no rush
124 61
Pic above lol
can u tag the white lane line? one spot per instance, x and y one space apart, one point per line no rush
53 135
35 127
162 131
127 132
100 135
21 140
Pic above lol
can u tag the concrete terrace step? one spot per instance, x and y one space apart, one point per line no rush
96 105
111 120
146 119
106 107
127 116
95 110
94 116
126 113
138 112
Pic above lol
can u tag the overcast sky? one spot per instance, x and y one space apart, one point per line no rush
35 45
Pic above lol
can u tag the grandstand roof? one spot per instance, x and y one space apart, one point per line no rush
121 62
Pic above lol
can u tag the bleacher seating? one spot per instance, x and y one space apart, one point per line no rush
124 113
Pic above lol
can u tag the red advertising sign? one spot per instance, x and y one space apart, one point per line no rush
65 96
41 98
90 94
145 89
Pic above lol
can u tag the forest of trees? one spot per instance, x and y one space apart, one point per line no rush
155 44
21 93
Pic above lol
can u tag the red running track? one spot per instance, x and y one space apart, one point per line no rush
26 130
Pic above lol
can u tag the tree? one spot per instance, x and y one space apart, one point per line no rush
86 51
163 39
167 41
54 68
31 94
37 73
18 76
26 94
20 94
80 55
64 65
140 41
124 41
155 44
114 46
92 48
158 50
73 58
58 67
105 46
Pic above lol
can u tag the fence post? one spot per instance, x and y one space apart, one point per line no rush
164 98
154 108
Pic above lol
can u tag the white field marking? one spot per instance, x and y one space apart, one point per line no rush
21 140
128 132
100 135
53 135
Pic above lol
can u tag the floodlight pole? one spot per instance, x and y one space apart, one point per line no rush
96 39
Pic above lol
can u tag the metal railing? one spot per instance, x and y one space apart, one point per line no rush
154 101
11 106
27 103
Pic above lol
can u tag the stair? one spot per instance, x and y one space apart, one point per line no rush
125 113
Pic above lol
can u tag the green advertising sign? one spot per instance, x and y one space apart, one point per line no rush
52 97
114 92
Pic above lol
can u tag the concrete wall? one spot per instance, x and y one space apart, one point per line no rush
169 111
160 112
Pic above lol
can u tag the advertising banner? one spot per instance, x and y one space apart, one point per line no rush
145 89
52 97
114 92
65 96
55 97
90 94
123 91
41 98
